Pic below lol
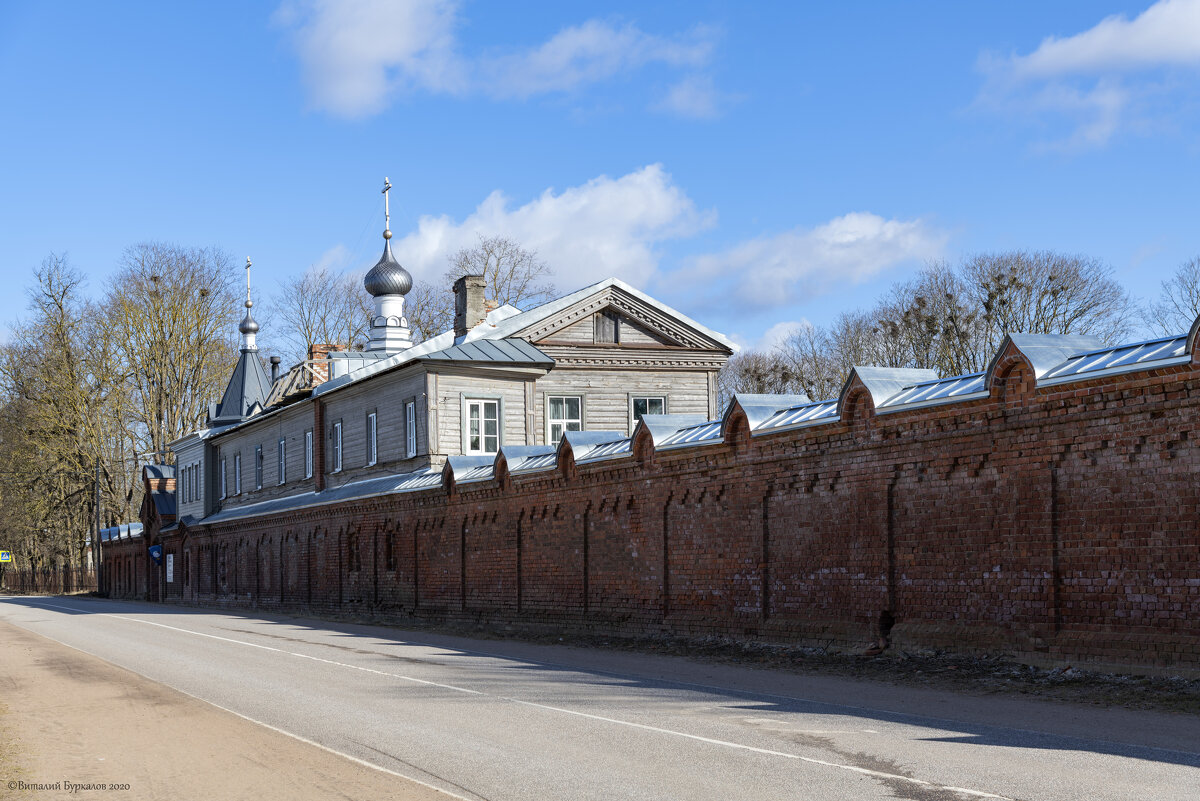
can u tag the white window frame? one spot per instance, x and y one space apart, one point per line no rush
565 422
372 438
308 454
336 436
633 399
237 473
482 403
282 456
258 467
223 485
410 429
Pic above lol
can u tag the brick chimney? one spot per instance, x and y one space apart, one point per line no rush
469 307
318 357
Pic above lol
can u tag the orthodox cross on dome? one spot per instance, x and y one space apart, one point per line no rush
248 327
387 217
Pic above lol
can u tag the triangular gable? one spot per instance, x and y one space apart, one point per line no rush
654 320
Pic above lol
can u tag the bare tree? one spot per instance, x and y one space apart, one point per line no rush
430 310
1178 303
171 311
756 372
323 306
514 276
1043 292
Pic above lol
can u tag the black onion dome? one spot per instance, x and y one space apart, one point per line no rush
387 277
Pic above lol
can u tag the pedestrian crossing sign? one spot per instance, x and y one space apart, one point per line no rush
5 556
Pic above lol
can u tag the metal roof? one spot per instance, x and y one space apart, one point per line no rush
528 457
358 490
1045 351
760 408
608 450
247 390
159 470
1122 358
943 390
704 433
545 461
804 414
884 382
124 531
492 351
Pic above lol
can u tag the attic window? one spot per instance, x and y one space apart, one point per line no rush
608 328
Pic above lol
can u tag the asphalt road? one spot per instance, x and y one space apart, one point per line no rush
497 720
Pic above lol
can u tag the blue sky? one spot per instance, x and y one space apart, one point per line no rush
754 165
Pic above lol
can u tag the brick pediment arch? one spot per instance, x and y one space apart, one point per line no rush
1011 376
856 406
735 430
1193 340
565 461
643 445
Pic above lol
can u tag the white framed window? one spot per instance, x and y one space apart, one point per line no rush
336 450
483 426
410 429
181 488
372 443
224 488
282 460
237 473
196 481
308 455
648 405
258 467
563 413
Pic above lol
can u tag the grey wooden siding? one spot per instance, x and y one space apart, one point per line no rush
190 455
606 394
584 332
581 331
385 395
453 385
289 424
633 333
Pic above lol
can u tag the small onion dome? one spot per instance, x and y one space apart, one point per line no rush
387 277
248 326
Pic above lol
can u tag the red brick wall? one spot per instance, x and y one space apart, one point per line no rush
1060 523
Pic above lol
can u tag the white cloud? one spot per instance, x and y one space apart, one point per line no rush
605 227
1102 80
1167 33
590 53
777 334
773 270
357 55
694 96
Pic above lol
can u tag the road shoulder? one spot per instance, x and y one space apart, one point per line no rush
66 716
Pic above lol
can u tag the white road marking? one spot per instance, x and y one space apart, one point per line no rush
631 724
